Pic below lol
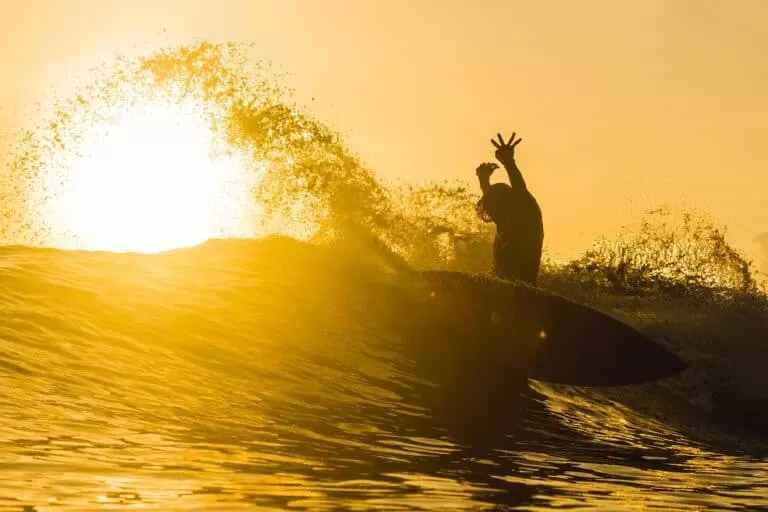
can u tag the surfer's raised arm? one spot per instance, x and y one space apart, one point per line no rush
505 153
484 172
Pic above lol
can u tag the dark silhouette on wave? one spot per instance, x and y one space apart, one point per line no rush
519 227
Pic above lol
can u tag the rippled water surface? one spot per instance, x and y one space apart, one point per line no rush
268 375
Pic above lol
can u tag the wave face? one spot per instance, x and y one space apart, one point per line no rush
278 373
281 372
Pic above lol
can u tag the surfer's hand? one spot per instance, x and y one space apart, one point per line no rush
485 170
505 151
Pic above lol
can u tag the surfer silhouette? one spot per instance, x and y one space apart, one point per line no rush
514 210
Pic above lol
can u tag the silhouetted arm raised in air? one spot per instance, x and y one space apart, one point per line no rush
484 172
505 153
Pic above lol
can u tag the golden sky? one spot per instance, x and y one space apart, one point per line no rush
622 105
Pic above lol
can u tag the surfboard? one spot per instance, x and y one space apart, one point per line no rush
538 334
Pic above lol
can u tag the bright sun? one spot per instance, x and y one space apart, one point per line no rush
148 181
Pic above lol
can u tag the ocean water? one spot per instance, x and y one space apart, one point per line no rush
274 372
266 374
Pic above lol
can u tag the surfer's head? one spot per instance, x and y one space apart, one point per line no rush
495 202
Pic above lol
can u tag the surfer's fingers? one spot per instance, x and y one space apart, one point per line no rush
495 144
516 142
511 138
501 139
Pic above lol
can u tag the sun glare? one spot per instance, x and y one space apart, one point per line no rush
148 181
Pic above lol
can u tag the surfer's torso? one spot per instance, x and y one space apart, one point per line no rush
519 239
